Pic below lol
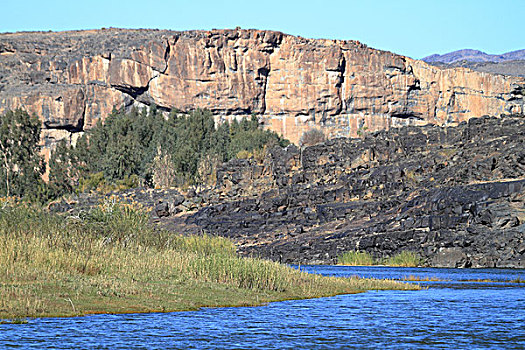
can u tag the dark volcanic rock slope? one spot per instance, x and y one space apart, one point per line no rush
454 195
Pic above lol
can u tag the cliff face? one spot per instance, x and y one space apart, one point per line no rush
73 79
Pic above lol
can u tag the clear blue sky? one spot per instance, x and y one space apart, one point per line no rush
414 28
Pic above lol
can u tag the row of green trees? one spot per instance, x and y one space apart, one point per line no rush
129 149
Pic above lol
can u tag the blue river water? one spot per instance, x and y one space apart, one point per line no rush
453 313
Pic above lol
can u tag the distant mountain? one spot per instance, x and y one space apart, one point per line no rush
475 56
515 67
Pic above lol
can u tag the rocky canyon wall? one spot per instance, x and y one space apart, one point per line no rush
73 79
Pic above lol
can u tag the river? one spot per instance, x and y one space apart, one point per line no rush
459 309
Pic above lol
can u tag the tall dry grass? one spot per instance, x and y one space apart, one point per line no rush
113 252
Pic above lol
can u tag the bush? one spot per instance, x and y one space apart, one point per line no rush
312 137
406 259
244 154
356 258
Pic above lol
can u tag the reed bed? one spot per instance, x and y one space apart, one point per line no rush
357 258
111 260
486 280
405 259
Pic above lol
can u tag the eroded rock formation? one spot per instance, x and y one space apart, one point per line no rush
454 195
73 79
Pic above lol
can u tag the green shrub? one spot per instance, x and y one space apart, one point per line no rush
356 258
406 259
156 151
244 154
21 165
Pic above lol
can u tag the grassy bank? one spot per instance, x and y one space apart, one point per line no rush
110 260
356 258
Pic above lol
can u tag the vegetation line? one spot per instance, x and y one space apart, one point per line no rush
357 258
139 148
111 260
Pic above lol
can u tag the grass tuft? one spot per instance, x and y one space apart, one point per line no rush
14 321
413 278
405 259
356 258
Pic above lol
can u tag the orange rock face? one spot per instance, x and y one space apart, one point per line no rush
73 79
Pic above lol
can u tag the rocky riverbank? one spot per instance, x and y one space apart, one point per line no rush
454 195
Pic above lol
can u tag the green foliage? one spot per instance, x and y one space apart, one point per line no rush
97 182
21 163
154 150
356 258
111 259
247 136
60 170
127 150
406 259
120 147
361 132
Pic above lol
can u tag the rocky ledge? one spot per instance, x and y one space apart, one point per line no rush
71 80
454 195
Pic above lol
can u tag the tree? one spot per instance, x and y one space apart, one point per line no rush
161 151
22 165
61 174
248 136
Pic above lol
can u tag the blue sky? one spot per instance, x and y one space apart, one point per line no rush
409 27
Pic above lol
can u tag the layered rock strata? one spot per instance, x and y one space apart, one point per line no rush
71 80
454 195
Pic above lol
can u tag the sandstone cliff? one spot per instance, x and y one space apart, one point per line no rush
73 79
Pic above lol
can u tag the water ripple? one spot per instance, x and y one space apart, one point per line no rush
448 315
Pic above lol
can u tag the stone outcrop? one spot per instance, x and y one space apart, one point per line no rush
73 79
454 195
